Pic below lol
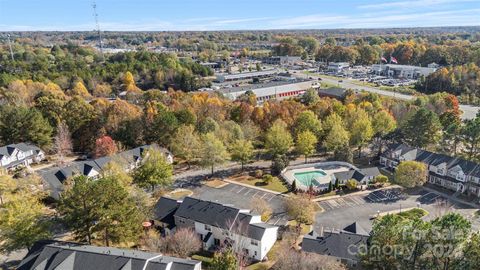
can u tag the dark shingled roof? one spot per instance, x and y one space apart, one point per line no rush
339 244
50 255
206 212
165 209
222 216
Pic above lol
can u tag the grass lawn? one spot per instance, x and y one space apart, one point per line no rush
413 213
305 228
275 185
180 194
205 257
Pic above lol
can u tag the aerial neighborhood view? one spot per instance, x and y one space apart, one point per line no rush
254 135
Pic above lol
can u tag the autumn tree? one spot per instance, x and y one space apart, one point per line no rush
336 138
23 217
79 89
278 140
411 174
361 130
306 143
105 146
154 170
241 151
300 209
212 152
186 144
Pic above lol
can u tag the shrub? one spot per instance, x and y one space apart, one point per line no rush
267 179
352 184
258 174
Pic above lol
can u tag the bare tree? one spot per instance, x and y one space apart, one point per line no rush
183 243
63 142
289 258
261 207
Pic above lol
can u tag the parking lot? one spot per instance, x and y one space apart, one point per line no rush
241 197
340 212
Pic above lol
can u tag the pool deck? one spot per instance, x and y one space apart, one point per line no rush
289 174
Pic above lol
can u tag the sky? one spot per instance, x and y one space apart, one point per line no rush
194 15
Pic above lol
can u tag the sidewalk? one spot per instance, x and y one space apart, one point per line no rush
451 198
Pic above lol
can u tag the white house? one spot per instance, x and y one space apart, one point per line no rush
402 71
220 225
17 155
130 159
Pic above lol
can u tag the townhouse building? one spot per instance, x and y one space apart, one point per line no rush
452 173
219 225
18 155
55 178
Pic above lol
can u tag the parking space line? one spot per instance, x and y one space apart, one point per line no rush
263 195
356 200
248 191
273 196
255 194
332 203
240 190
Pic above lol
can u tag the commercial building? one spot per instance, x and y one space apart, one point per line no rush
337 67
402 71
219 225
451 173
278 90
46 255
282 60
221 78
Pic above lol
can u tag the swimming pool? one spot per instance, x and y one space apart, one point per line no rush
309 178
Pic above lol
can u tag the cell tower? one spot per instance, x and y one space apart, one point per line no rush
10 46
95 14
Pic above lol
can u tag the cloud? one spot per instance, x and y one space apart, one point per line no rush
412 4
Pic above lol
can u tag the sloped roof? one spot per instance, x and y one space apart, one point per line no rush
8 150
339 244
46 255
222 216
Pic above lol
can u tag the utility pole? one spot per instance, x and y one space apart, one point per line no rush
95 15
10 46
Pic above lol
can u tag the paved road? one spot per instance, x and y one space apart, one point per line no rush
469 112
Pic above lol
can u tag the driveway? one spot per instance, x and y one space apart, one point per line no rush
341 212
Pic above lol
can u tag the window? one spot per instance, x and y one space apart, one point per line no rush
255 253
216 242
254 242
208 228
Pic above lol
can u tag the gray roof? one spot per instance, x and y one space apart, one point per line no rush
50 255
339 244
211 213
430 158
8 150
222 216
55 177
165 209
372 171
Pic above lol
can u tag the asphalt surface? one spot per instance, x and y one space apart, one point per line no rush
241 197
341 212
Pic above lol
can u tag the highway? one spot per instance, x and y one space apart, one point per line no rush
469 112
